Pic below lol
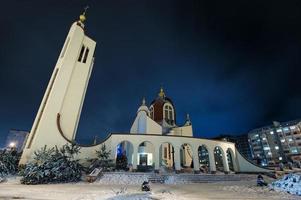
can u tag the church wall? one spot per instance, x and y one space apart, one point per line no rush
145 125
182 131
241 165
153 127
246 166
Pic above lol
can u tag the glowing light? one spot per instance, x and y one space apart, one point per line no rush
12 144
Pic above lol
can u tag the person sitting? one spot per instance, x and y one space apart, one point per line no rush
145 186
260 181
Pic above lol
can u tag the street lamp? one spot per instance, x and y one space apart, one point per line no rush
12 145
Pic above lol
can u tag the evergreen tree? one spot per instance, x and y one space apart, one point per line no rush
9 160
103 160
53 165
122 162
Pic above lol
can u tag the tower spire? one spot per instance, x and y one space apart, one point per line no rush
82 18
187 122
143 101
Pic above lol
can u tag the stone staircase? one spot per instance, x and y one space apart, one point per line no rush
169 178
156 178
196 178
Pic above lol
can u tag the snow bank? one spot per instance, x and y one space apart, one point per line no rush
290 183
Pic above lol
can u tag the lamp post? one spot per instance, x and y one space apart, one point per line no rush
12 145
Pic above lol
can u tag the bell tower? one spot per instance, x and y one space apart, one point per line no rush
59 112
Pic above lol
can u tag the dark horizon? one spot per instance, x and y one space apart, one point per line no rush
233 66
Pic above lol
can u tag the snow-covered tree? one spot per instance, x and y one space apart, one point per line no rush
53 165
103 159
9 160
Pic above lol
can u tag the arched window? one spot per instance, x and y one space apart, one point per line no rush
151 109
169 113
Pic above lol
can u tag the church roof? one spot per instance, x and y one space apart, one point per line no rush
158 109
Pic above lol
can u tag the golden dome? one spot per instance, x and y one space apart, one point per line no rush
82 17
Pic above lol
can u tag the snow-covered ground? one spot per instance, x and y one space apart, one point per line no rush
245 189
290 183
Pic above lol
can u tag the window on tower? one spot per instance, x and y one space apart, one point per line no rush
81 54
169 113
151 112
166 114
86 55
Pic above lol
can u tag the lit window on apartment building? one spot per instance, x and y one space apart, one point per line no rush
279 130
285 129
280 158
294 150
271 132
282 140
276 147
266 148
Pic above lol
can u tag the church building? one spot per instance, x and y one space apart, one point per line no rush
160 118
156 139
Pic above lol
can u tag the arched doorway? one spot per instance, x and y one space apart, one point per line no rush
145 157
186 156
166 156
230 160
218 157
204 159
124 155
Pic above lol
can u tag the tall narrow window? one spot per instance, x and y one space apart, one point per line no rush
86 55
81 53
168 113
152 112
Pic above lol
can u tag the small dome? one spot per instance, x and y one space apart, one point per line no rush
143 107
158 110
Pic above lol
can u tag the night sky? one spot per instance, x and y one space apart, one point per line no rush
233 65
